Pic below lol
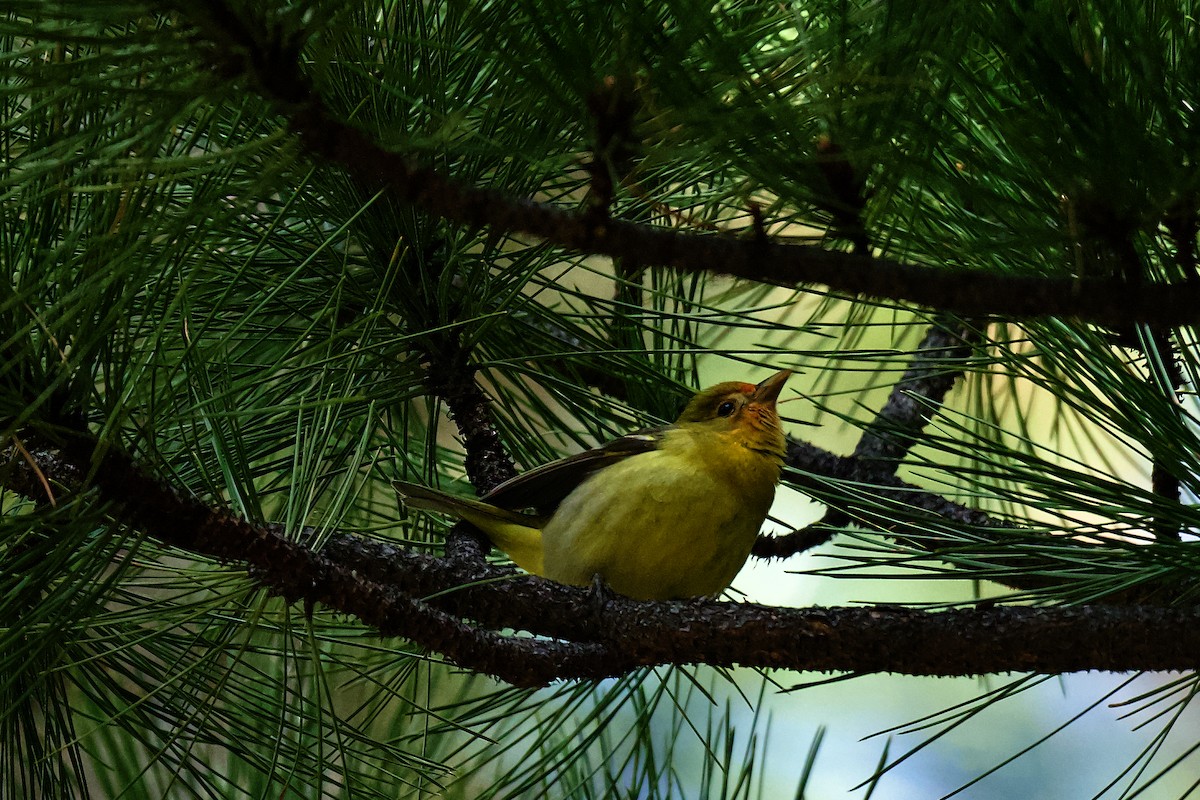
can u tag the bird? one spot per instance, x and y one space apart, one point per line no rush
659 514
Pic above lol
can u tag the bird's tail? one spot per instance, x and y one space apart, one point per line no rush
518 535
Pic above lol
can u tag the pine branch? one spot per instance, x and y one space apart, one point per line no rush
1164 481
884 444
487 463
815 466
285 568
608 635
816 638
1165 376
450 377
847 197
271 61
932 372
1182 222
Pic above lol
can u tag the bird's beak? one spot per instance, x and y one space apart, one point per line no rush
767 392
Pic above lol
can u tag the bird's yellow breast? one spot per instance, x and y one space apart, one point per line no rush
678 521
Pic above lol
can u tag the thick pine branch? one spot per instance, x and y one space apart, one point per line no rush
272 63
596 635
284 567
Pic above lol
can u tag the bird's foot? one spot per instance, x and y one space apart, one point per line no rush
600 594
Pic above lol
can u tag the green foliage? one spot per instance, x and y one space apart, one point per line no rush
183 280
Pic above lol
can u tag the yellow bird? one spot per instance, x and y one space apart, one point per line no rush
659 514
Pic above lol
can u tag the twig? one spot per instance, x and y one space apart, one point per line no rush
932 372
847 194
487 462
1164 479
815 469
886 441
612 106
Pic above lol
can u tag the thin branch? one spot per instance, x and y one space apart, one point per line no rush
1183 224
814 469
848 194
885 442
1164 478
801 540
487 462
1163 375
273 66
612 106
934 369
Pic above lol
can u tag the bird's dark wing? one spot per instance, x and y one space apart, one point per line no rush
544 487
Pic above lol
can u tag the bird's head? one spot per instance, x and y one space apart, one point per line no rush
744 409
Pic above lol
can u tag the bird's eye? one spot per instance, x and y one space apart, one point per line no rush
726 408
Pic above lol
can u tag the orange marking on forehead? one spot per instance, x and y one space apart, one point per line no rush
747 388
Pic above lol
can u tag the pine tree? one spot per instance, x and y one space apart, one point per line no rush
260 259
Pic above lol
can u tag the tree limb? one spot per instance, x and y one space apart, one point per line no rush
594 636
273 65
